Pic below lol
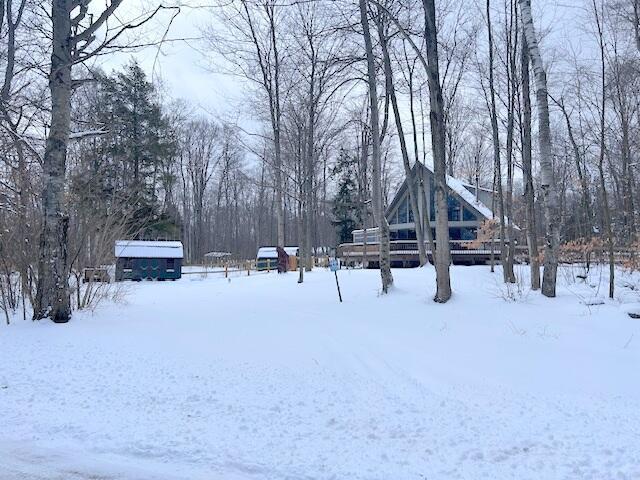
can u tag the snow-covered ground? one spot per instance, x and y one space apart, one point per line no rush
261 378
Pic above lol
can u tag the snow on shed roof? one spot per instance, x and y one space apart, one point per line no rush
272 252
148 249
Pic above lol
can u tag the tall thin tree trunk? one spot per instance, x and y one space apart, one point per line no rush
603 186
310 161
512 50
426 228
547 184
627 184
302 210
280 218
497 165
53 295
436 116
587 215
636 22
527 170
378 207
409 172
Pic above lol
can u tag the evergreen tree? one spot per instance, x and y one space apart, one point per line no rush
130 160
346 209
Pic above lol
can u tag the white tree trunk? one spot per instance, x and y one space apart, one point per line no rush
527 171
548 186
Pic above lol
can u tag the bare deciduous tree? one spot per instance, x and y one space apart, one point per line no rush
378 206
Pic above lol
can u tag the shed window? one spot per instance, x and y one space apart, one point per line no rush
128 264
171 264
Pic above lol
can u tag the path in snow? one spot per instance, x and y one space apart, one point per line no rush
261 378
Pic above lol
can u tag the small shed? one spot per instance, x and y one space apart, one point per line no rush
267 258
148 260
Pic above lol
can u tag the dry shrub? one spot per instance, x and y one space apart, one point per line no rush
631 262
581 250
487 233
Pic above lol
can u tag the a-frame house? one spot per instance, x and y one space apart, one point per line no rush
468 207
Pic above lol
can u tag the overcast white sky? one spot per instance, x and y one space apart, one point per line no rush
183 67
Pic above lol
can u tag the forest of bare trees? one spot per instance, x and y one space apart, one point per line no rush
341 99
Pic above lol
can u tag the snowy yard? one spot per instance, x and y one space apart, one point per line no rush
262 378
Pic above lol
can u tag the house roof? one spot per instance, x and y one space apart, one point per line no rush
272 252
458 187
148 249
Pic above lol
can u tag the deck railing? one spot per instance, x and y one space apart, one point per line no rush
411 246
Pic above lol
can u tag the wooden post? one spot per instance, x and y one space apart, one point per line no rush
248 268
338 285
226 270
333 266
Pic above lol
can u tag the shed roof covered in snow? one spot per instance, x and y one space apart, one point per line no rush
272 252
148 249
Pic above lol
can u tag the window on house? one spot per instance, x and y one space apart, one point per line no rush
403 214
453 209
462 233
468 233
453 205
410 210
454 233
468 215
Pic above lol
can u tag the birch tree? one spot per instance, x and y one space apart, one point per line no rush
527 169
547 180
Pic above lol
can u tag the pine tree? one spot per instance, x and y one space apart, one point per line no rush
346 209
138 145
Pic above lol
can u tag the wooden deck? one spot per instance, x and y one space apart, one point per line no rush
404 253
